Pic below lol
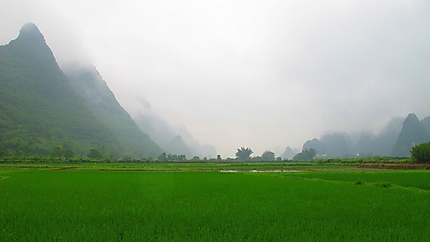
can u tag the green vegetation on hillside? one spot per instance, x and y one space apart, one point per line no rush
41 113
39 109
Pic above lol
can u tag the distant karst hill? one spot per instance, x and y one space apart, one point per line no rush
40 110
413 133
426 123
289 153
172 140
396 139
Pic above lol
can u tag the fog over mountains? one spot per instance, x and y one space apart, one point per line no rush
40 110
396 139
175 141
44 108
265 75
102 102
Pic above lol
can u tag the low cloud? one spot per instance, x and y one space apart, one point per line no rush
254 73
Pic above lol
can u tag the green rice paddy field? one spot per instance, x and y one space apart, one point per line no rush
321 205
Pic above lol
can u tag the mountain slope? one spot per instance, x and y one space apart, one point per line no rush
335 144
315 144
178 146
413 133
365 144
102 102
156 127
426 123
386 138
167 137
205 150
39 109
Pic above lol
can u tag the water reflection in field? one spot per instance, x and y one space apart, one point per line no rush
274 170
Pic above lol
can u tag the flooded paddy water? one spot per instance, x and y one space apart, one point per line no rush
253 170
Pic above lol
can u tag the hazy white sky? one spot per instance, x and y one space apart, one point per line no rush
263 74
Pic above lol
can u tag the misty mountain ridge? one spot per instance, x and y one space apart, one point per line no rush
289 153
43 107
178 146
413 133
426 123
174 141
102 102
396 138
29 54
203 150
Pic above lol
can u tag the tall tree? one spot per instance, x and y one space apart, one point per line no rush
268 155
244 153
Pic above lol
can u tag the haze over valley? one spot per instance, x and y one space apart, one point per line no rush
208 78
